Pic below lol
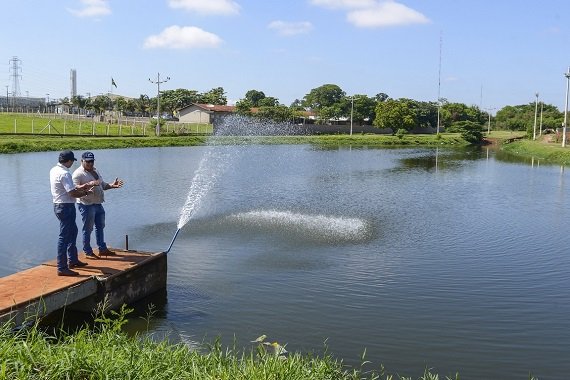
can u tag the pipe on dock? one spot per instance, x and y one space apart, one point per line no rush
172 242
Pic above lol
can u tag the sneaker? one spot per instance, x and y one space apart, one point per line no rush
78 264
106 252
92 256
67 272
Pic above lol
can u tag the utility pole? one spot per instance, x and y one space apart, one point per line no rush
489 124
439 85
15 69
535 116
158 82
567 75
351 112
540 128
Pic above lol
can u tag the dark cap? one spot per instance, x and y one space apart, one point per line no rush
66 155
87 156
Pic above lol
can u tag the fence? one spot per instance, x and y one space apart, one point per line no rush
80 125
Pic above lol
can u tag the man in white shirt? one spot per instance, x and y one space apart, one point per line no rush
63 193
91 206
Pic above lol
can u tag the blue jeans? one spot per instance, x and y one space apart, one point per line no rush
66 248
92 215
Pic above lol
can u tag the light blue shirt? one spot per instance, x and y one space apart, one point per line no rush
61 184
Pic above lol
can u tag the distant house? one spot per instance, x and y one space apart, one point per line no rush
204 113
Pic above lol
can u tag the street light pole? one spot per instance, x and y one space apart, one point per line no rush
540 125
158 82
535 116
489 110
351 112
567 75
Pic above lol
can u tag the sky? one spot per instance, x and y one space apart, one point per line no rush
488 53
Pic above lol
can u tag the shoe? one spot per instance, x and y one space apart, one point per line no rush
106 252
78 264
67 272
91 256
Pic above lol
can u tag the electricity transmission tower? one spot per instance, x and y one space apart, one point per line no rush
15 75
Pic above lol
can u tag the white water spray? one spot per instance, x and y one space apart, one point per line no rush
216 159
212 166
316 227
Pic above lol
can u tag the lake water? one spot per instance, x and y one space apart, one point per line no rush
445 259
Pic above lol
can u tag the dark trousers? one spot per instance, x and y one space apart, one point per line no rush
66 243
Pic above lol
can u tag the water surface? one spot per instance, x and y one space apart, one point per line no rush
452 260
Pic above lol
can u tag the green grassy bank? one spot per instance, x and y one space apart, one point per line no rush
20 144
106 352
544 149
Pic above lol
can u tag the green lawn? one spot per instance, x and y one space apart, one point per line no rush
75 125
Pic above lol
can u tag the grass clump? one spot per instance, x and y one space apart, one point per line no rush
105 351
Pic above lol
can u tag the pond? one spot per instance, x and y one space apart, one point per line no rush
455 260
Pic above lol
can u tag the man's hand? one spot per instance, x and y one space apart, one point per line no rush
118 183
86 186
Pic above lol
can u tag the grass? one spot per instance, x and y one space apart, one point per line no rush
75 125
106 352
545 148
41 132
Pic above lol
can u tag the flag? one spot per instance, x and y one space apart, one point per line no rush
113 82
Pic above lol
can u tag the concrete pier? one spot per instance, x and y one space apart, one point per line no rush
121 279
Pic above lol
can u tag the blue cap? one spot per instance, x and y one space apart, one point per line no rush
88 156
66 155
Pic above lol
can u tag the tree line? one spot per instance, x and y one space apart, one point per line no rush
329 104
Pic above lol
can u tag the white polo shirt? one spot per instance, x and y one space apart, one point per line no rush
61 184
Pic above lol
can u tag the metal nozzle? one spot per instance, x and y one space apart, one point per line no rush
172 242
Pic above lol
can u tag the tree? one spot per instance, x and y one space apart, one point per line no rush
470 131
142 104
121 103
268 101
452 113
243 107
214 96
79 102
173 100
254 97
396 114
101 103
278 113
326 95
426 114
297 105
381 97
521 117
364 110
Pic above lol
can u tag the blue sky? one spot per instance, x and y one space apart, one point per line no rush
493 52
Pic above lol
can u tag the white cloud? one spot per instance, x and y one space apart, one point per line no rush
206 6
186 37
92 8
375 13
285 28
384 14
344 4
